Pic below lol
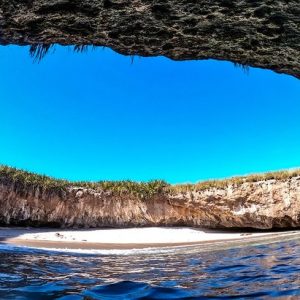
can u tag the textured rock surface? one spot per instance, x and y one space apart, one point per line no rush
265 204
260 33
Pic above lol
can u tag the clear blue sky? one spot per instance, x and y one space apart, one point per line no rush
95 116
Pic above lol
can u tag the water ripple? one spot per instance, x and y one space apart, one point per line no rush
250 272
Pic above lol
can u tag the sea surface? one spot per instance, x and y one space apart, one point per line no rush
257 271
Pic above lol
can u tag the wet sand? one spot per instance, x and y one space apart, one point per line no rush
95 246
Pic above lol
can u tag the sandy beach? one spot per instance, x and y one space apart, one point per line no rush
130 238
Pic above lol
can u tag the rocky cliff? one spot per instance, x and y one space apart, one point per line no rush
259 33
263 204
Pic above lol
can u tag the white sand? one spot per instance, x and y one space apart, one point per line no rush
153 235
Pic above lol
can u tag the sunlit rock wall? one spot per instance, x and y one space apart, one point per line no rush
265 204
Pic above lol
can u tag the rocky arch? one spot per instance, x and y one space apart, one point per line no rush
258 33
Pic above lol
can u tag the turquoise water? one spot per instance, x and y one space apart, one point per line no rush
255 272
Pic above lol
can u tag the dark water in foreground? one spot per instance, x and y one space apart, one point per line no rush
255 272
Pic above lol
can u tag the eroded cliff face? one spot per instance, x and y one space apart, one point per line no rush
259 33
264 205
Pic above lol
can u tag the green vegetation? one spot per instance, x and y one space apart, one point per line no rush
39 51
236 181
141 189
28 179
25 179
244 67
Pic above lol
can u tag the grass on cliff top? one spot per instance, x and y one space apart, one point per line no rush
25 179
236 181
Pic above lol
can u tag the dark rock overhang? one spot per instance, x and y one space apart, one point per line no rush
258 33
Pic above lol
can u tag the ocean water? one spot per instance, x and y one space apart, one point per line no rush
258 271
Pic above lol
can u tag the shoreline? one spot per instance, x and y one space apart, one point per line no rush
128 238
97 246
